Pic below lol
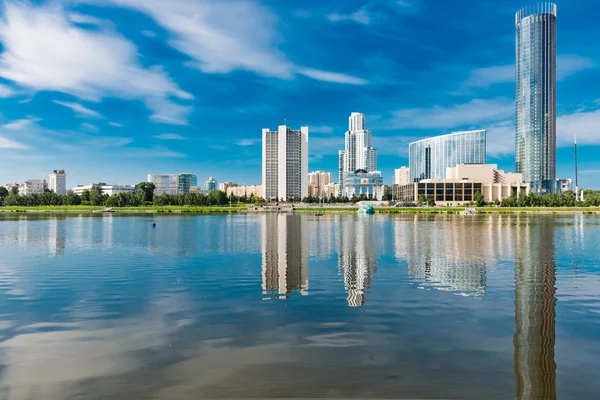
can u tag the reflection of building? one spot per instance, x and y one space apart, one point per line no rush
57 240
429 158
535 144
285 163
173 183
357 257
535 313
284 255
58 181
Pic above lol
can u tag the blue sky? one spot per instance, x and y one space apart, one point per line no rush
112 90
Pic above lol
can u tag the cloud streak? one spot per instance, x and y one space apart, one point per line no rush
9 144
79 109
89 64
170 136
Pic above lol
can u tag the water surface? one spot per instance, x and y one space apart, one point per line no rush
453 307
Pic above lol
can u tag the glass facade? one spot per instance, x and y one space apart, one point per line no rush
535 146
429 158
362 183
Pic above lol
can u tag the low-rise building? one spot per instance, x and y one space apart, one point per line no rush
106 189
31 186
462 183
173 184
223 186
402 176
363 183
248 191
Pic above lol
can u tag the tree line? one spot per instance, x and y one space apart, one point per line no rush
142 196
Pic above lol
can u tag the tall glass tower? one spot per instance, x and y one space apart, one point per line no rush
535 147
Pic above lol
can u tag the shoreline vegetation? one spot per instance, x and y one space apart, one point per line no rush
243 209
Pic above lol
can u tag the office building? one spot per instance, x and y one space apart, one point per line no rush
32 186
401 176
223 186
429 158
104 188
173 184
245 191
210 184
358 152
362 183
58 181
462 183
317 180
285 163
535 144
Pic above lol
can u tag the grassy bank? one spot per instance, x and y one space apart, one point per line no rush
149 209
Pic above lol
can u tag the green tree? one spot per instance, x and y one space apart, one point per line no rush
14 190
3 192
431 202
422 199
145 192
96 198
479 200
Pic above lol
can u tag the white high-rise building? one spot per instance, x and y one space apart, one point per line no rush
32 186
58 181
402 176
359 152
285 163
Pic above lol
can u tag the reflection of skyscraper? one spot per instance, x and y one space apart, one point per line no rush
535 314
357 257
284 255
56 236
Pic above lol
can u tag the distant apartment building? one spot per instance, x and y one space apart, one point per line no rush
32 186
429 158
247 191
462 183
210 184
358 153
58 181
317 180
223 186
362 183
285 163
174 184
105 188
401 176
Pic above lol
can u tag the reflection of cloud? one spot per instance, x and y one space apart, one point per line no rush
60 363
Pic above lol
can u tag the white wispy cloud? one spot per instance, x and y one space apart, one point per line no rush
224 36
89 127
474 113
148 33
110 142
79 109
582 124
247 142
566 65
20 124
359 16
170 136
374 9
10 144
89 64
83 19
115 124
6 91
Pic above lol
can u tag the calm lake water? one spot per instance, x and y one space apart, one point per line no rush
444 307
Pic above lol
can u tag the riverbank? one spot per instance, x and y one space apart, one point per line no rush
238 209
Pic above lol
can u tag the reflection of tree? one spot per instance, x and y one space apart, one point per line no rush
357 257
535 314
284 255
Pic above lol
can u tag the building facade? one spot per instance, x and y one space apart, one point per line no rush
462 183
223 186
245 191
32 186
173 184
317 181
401 176
58 181
429 158
285 163
358 154
535 144
210 184
363 183
106 189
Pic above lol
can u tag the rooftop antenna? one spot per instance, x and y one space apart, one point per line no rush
576 171
285 121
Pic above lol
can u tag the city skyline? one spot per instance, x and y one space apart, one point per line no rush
95 119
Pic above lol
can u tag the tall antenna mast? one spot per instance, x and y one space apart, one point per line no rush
576 171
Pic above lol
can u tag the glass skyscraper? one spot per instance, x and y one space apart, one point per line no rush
429 158
535 147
